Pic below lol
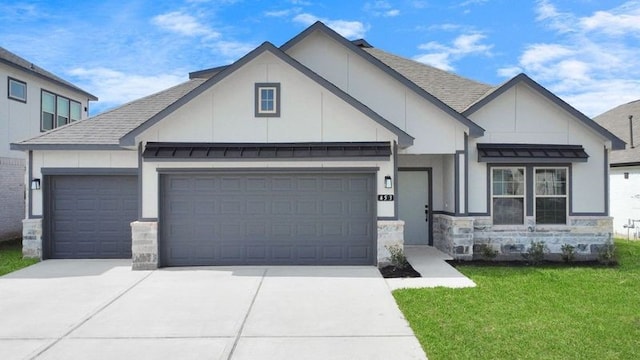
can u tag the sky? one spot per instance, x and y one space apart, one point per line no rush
585 51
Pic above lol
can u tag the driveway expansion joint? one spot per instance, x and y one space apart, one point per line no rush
246 316
84 321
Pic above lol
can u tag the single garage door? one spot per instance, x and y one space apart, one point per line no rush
89 216
267 219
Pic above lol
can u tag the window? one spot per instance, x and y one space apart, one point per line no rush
551 195
267 101
58 111
17 90
508 195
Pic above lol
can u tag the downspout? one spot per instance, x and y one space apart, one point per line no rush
631 130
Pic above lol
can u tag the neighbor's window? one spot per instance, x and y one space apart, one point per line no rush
508 194
267 100
551 195
17 90
58 111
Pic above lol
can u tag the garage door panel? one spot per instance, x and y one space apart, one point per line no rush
258 219
90 216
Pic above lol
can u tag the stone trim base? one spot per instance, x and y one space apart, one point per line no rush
390 233
144 245
32 238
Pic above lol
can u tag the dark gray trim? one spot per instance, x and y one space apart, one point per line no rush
576 214
403 138
616 143
206 73
530 153
30 191
361 43
139 172
32 71
256 100
395 180
474 129
429 172
617 165
456 176
442 212
9 80
478 214
298 170
387 218
19 146
528 179
88 171
155 151
147 219
606 181
466 174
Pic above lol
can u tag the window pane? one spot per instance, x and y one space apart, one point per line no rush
551 210
551 181
63 111
17 90
47 121
508 181
76 111
267 100
508 211
48 102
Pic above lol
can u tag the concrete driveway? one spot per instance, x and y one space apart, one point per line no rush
100 309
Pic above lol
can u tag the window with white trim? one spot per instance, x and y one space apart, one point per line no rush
58 110
508 195
267 100
17 90
551 195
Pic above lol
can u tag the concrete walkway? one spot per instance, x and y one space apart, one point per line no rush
100 309
430 263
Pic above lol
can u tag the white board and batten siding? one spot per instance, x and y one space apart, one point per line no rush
625 201
521 115
225 113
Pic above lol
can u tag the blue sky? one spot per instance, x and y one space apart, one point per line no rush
585 51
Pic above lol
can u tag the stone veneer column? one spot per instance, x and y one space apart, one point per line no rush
144 245
454 235
390 232
32 238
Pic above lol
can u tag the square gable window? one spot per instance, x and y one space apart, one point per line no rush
17 90
267 100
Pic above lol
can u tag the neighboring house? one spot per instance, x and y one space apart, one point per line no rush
624 121
321 151
32 100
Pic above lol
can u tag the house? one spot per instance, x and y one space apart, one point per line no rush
32 100
320 151
624 121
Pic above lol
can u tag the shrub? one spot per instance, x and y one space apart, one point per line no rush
397 257
487 251
535 253
568 252
607 254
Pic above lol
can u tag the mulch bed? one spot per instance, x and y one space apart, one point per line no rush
391 271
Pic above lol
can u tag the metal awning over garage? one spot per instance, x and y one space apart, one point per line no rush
530 153
159 150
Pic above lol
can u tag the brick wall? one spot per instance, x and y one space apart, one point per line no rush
11 197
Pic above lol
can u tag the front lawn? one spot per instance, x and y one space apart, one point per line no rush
11 257
533 313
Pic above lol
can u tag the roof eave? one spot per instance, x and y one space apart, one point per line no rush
28 147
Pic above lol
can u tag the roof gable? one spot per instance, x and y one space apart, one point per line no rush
17 62
404 139
616 143
617 121
474 129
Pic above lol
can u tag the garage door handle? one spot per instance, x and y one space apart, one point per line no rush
426 213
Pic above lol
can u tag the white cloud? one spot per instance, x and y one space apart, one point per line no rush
348 29
593 63
114 87
510 71
183 24
282 13
381 8
443 56
392 13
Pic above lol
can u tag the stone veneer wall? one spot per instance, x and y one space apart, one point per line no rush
461 237
390 232
11 197
144 245
32 238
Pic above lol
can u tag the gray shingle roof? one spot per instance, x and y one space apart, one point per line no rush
616 120
16 61
107 128
455 91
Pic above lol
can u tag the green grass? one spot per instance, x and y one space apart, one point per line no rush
11 257
533 312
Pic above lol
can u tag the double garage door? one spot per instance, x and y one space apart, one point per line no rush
219 219
262 218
